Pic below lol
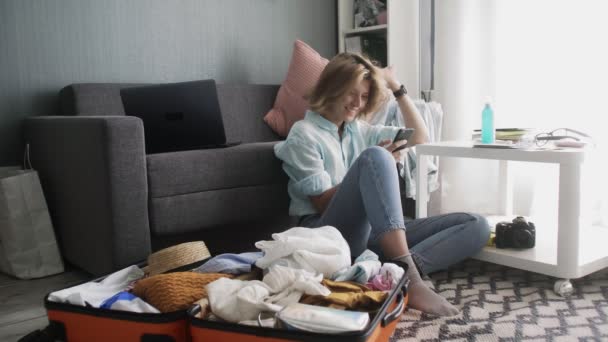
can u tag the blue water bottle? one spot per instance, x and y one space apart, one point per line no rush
487 124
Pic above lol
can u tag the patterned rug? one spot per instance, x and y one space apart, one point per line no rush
500 303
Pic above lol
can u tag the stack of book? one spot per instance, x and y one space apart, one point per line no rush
505 134
504 138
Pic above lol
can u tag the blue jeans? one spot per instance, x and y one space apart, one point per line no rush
367 204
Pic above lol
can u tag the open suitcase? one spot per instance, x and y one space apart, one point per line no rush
73 323
380 328
68 322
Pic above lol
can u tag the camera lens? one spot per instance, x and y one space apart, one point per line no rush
523 238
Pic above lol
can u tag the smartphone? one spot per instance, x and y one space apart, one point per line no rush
403 133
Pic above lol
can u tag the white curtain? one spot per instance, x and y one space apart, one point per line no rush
544 62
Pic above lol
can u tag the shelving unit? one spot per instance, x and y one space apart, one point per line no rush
370 29
567 244
400 33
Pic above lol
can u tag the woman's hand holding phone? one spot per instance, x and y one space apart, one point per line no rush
402 135
398 143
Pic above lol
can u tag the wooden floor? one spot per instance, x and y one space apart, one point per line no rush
22 302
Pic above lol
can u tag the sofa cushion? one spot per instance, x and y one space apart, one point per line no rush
290 105
185 172
243 107
93 98
195 211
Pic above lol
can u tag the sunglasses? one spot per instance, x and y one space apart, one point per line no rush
541 139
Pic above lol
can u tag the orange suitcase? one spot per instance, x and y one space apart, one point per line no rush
380 328
74 323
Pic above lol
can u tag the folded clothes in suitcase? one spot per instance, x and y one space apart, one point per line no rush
380 328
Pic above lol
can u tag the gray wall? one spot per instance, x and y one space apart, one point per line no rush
47 44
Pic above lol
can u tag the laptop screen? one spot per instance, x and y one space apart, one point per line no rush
177 116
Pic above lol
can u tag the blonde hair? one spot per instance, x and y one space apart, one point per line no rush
342 74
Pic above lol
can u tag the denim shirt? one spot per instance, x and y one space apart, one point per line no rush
316 159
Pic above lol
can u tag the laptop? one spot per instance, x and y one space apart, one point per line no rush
177 116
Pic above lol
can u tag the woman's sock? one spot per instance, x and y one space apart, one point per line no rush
421 297
428 281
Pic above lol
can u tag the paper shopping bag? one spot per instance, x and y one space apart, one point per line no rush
28 248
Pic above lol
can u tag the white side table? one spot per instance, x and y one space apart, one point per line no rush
566 247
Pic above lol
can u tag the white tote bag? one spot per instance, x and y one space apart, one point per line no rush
28 248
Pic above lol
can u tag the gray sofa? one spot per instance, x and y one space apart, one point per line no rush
112 204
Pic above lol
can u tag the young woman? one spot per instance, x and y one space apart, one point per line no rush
342 173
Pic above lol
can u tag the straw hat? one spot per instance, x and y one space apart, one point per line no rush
185 256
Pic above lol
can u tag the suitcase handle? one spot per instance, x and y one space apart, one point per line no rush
393 315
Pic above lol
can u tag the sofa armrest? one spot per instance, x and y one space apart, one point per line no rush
93 172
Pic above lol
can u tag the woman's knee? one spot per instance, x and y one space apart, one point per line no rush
475 231
478 229
379 155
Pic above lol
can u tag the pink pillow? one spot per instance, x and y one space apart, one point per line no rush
289 106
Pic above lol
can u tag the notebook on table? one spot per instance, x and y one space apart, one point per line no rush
177 116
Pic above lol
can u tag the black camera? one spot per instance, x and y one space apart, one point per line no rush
517 234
